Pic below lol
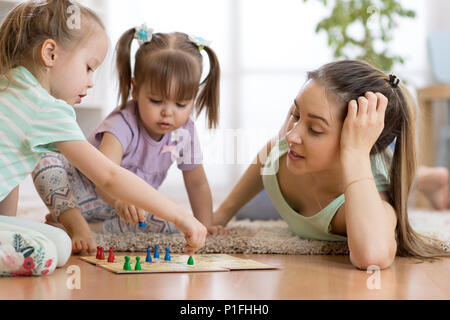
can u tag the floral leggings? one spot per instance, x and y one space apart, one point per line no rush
62 187
29 248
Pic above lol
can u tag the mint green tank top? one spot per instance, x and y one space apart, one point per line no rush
317 226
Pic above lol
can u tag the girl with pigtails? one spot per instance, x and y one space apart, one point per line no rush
151 129
328 173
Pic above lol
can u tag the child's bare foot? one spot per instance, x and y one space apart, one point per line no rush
433 182
77 228
50 220
82 241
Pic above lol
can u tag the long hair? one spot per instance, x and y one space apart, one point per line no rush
29 24
349 79
170 59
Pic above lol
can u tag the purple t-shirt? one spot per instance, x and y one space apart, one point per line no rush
145 157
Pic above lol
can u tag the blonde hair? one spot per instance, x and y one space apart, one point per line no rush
349 79
29 24
170 59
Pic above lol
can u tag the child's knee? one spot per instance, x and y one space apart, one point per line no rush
49 161
52 181
48 167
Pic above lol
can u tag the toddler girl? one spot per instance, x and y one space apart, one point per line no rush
326 173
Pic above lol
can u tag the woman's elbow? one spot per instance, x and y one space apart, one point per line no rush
372 259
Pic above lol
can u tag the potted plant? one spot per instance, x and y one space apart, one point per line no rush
362 29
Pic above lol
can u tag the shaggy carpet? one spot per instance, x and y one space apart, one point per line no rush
273 237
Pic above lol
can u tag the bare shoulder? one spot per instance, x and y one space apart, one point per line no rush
338 225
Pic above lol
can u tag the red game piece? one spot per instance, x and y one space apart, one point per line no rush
101 255
98 253
111 254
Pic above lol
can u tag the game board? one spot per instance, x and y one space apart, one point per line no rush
178 263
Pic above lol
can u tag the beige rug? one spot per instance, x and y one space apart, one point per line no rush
269 237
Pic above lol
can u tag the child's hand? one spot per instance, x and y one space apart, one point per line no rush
194 232
128 212
216 230
363 125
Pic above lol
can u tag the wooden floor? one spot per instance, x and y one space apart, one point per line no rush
301 277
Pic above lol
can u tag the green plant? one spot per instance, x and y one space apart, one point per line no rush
373 21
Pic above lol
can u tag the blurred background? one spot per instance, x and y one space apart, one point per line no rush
265 48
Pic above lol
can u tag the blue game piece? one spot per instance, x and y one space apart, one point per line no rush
142 224
156 254
148 258
167 257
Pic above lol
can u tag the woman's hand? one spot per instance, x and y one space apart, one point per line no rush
363 125
221 218
216 230
128 212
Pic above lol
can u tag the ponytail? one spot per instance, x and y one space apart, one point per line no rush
402 176
123 51
210 92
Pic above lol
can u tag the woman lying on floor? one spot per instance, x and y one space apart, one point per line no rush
327 174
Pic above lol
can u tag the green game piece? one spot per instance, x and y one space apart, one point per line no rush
127 265
190 261
138 264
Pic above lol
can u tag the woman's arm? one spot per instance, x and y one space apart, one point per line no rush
250 183
370 221
248 186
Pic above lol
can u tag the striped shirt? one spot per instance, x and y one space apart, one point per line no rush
31 120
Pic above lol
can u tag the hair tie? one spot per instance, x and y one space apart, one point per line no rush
393 80
143 34
200 42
